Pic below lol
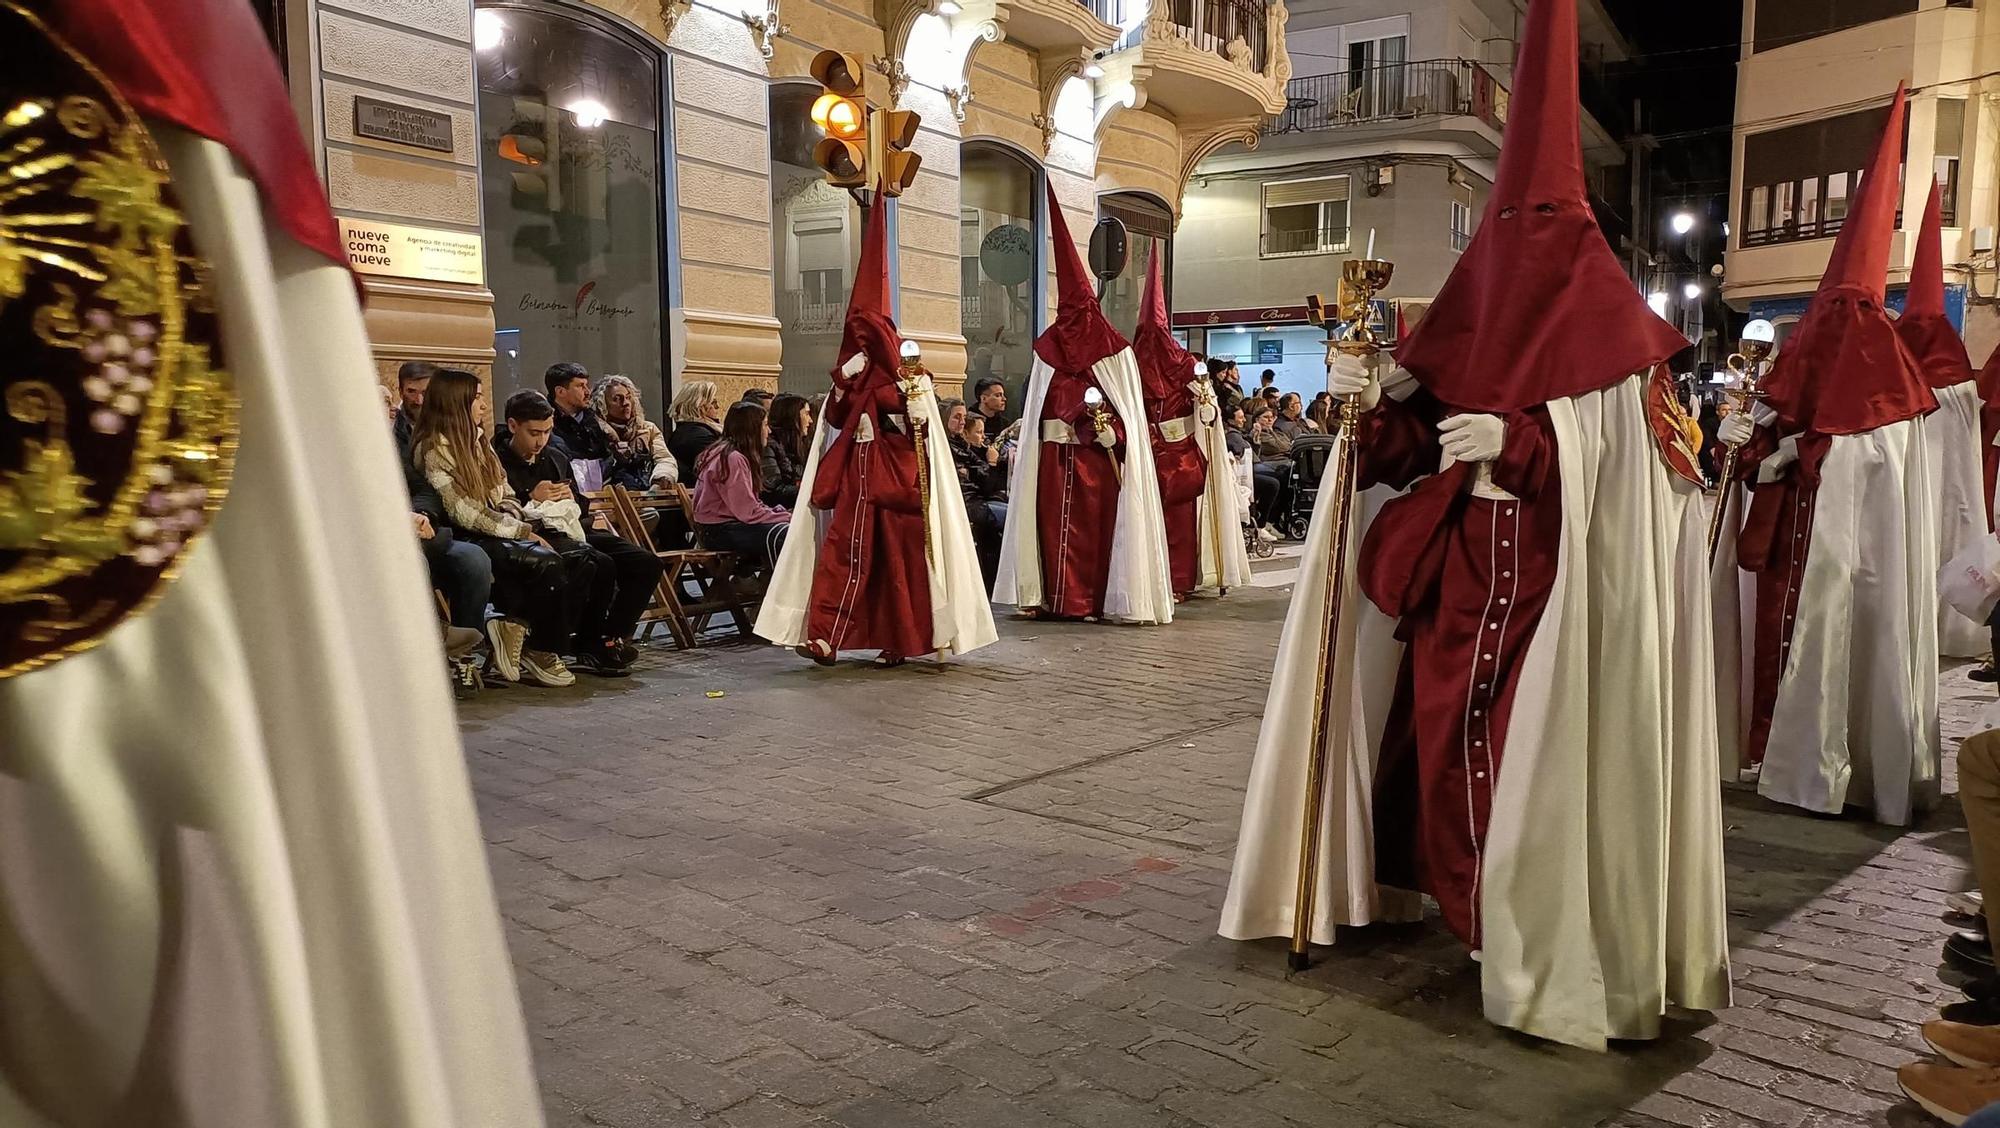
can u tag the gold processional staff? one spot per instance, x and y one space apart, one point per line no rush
1348 331
1759 337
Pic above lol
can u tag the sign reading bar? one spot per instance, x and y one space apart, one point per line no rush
405 125
1195 319
413 252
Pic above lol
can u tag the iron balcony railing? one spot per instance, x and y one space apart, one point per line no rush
1392 92
1210 25
804 311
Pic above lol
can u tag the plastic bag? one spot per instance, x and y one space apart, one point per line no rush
1971 582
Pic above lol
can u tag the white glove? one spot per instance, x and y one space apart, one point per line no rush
1736 430
1106 437
1352 376
1773 468
1472 438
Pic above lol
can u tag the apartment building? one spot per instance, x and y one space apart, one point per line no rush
1390 131
1813 90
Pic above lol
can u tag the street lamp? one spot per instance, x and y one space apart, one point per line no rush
1658 299
1692 291
1683 222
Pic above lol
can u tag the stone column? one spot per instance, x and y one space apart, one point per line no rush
410 55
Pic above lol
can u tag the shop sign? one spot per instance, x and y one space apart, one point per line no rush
413 252
405 125
1272 315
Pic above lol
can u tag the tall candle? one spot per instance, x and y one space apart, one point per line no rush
1371 244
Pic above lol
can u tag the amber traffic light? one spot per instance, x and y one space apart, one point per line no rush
861 146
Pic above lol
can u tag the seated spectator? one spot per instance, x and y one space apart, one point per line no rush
1321 413
1228 388
982 478
1292 421
1273 453
989 399
639 458
411 380
697 419
623 575
785 454
579 436
728 478
535 588
760 397
459 571
1270 396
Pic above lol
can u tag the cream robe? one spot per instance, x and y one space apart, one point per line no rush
241 877
1140 588
1856 717
1958 469
1602 886
1224 561
961 618
1732 624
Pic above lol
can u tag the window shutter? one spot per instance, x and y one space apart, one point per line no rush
1320 190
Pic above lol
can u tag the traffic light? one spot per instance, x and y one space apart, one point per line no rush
841 111
863 147
894 130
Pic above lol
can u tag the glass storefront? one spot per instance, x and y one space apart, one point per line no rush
570 150
1149 230
1000 259
815 245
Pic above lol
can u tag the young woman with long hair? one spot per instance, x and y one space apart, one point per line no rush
785 454
697 417
728 477
537 591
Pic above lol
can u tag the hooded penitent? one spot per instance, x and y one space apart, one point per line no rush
1843 534
1493 738
1197 491
1845 370
1925 328
1082 540
891 567
1538 306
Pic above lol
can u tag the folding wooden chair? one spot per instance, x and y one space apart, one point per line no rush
714 591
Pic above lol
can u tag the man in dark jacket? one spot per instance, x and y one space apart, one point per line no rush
579 436
625 575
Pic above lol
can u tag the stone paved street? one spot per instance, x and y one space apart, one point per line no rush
984 896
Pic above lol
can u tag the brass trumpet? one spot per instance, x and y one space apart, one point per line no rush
1348 332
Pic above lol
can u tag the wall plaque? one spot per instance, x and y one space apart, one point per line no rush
413 252
404 125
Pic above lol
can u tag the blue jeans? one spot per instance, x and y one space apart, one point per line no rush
463 572
1988 1117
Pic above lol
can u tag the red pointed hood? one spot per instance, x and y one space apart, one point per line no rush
1989 381
1925 329
1165 368
1079 337
869 327
1845 369
1538 307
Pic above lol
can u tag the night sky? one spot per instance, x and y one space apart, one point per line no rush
1684 68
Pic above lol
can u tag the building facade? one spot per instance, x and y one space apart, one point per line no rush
1389 136
1813 90
629 183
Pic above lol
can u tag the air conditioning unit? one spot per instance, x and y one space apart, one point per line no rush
1982 240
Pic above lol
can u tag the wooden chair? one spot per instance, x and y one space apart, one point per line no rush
696 584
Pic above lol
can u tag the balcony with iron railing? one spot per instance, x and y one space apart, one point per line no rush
1392 92
1281 242
808 311
1200 58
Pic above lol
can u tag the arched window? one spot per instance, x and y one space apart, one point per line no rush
571 147
1149 227
1000 265
815 245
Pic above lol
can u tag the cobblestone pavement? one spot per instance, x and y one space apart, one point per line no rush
742 891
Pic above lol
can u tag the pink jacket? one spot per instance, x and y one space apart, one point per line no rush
722 491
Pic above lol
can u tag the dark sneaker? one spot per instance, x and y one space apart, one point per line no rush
1972 1012
599 662
1987 673
465 680
1970 951
627 653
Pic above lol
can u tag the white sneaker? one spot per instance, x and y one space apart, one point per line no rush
545 669
1271 533
1967 902
508 637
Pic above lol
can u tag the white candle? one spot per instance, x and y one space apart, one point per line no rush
1371 244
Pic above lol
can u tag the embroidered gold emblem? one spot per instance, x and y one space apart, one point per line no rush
117 427
1675 432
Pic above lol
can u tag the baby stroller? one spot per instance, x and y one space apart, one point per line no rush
1310 456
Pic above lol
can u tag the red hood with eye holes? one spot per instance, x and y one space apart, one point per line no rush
1538 308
